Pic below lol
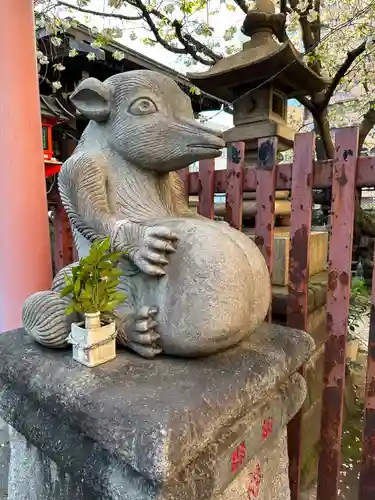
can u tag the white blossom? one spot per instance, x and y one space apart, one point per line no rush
40 23
43 60
56 85
119 56
96 44
312 16
59 67
65 24
91 56
117 33
73 53
370 43
56 41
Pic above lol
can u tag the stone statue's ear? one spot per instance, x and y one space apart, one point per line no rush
92 99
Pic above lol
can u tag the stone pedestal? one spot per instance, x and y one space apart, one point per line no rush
175 429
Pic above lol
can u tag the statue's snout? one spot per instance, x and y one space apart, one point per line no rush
199 136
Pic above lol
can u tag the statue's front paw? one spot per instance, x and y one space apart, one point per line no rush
157 244
143 336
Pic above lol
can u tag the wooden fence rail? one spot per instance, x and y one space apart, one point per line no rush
344 173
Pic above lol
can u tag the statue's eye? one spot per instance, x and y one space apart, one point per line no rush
142 106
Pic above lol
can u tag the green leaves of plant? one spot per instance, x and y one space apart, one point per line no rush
94 281
360 303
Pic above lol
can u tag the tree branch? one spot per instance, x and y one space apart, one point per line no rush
321 125
196 44
191 45
187 44
306 103
350 58
367 124
242 5
96 13
147 17
309 30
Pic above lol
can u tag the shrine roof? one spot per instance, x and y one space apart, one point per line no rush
80 38
52 107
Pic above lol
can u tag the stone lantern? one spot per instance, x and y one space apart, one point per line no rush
259 80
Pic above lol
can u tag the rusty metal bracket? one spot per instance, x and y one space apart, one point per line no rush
235 155
266 155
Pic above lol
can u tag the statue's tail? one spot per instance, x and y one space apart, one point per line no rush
44 317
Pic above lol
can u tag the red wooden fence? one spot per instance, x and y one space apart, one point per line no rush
344 173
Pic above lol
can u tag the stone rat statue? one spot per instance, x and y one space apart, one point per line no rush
194 286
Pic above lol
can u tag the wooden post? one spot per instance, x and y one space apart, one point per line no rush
63 237
299 259
64 251
265 200
338 295
206 188
234 188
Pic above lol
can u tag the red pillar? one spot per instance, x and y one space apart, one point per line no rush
25 259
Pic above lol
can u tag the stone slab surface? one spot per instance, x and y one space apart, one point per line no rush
151 414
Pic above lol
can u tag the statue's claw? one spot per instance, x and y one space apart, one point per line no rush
153 253
142 339
148 352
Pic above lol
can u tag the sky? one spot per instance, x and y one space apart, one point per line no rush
221 21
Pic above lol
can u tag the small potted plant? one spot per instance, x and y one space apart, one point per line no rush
93 290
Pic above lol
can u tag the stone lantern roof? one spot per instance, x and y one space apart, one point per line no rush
264 56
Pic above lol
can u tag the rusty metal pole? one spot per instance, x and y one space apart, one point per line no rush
299 260
338 296
265 200
234 184
206 188
367 477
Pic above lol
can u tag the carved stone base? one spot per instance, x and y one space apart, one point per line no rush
165 429
34 476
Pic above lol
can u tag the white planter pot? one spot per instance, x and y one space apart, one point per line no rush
94 345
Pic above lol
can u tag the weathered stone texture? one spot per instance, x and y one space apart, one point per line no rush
163 428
